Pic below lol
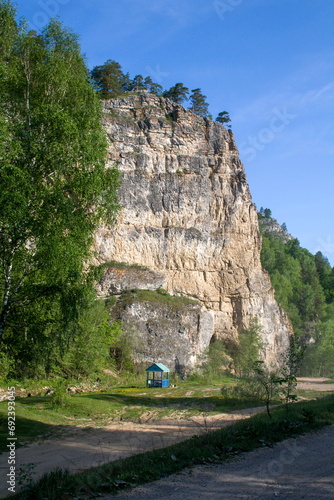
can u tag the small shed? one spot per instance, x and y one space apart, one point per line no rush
157 375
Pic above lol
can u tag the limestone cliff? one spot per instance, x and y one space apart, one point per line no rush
188 219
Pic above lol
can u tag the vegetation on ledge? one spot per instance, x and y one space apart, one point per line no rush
160 296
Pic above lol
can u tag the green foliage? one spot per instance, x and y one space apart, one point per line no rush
198 103
295 279
138 83
160 296
60 396
216 362
261 385
54 189
122 348
247 351
223 117
6 365
178 93
122 265
326 276
265 213
319 356
304 287
152 87
290 366
268 384
89 352
109 79
111 82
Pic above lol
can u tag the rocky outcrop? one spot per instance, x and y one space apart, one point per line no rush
161 327
187 217
270 225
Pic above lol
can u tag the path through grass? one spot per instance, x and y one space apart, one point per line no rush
36 418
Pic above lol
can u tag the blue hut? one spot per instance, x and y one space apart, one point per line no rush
157 375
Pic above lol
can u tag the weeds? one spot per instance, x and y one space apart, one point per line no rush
25 474
309 416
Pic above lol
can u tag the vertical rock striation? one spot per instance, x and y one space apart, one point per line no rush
187 218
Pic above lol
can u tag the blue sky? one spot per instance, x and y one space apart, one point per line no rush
269 63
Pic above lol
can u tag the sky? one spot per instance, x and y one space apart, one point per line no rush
269 63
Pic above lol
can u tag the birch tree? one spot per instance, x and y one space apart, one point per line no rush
54 187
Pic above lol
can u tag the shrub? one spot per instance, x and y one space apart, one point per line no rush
6 365
247 351
60 396
90 350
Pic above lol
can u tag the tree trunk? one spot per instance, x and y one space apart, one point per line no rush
5 308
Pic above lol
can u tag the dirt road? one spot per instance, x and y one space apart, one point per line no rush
314 384
300 468
81 448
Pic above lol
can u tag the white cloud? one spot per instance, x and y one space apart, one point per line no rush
298 92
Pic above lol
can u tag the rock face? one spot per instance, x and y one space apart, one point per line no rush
161 327
188 219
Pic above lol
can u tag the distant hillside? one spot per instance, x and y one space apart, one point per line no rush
304 287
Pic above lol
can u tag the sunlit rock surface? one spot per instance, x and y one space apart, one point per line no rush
188 222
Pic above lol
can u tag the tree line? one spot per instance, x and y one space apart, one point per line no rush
110 81
304 287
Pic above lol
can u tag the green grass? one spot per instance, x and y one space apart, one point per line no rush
214 447
305 394
124 265
158 297
37 419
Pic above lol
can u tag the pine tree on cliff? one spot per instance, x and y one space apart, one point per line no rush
126 83
224 118
198 103
178 93
109 79
138 83
153 88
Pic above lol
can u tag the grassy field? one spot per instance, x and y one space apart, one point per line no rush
38 417
42 417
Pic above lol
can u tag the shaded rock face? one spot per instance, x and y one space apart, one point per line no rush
188 217
118 279
174 330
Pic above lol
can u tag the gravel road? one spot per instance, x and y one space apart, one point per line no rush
298 468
